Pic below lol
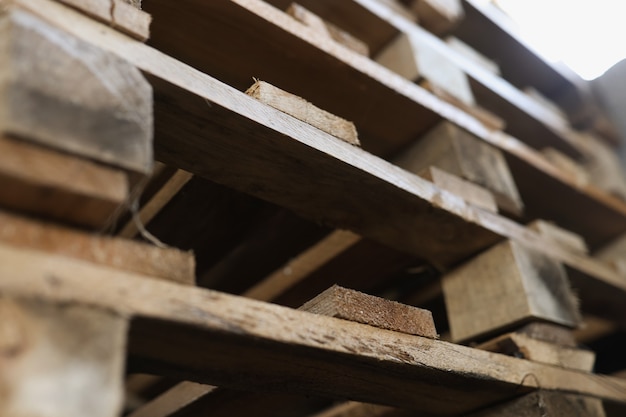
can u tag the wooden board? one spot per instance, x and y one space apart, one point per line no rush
469 191
559 235
438 16
505 286
235 342
120 14
356 306
542 403
288 146
40 181
169 264
303 110
42 101
60 360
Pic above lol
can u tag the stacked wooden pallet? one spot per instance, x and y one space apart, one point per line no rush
360 143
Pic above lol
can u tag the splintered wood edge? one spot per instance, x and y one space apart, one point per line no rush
362 308
123 15
304 111
168 264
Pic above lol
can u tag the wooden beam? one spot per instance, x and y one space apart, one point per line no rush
472 193
460 153
614 254
60 360
286 350
505 286
324 28
40 181
438 16
303 110
356 306
119 14
43 102
357 409
168 264
542 403
560 236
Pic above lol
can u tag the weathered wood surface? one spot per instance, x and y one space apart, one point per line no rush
542 403
60 360
249 344
262 160
505 286
356 306
37 180
67 94
438 16
559 235
469 191
169 264
407 107
120 14
523 346
303 110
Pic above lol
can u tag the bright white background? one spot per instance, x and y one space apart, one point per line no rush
589 36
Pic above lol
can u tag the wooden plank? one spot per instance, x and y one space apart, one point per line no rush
303 110
469 191
551 333
472 54
522 346
438 16
60 360
168 264
558 235
357 409
356 306
51 184
43 101
327 29
573 169
173 400
156 203
414 59
480 302
614 254
120 14
542 403
458 152
305 152
259 346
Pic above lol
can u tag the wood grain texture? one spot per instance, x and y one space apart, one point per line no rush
60 360
458 152
356 306
303 110
507 285
472 193
542 403
614 254
523 346
78 99
120 14
37 180
244 343
327 29
293 147
169 264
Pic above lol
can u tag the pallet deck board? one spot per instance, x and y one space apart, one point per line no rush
237 342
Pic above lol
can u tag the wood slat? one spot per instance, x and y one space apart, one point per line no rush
254 345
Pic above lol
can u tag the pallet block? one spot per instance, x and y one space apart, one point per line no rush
506 286
69 95
60 360
414 59
456 151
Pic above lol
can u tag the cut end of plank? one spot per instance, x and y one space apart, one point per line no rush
304 111
362 308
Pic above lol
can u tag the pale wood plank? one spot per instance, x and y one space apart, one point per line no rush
614 254
169 264
48 75
303 110
60 360
345 352
41 181
479 301
356 306
438 16
561 236
120 14
469 191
